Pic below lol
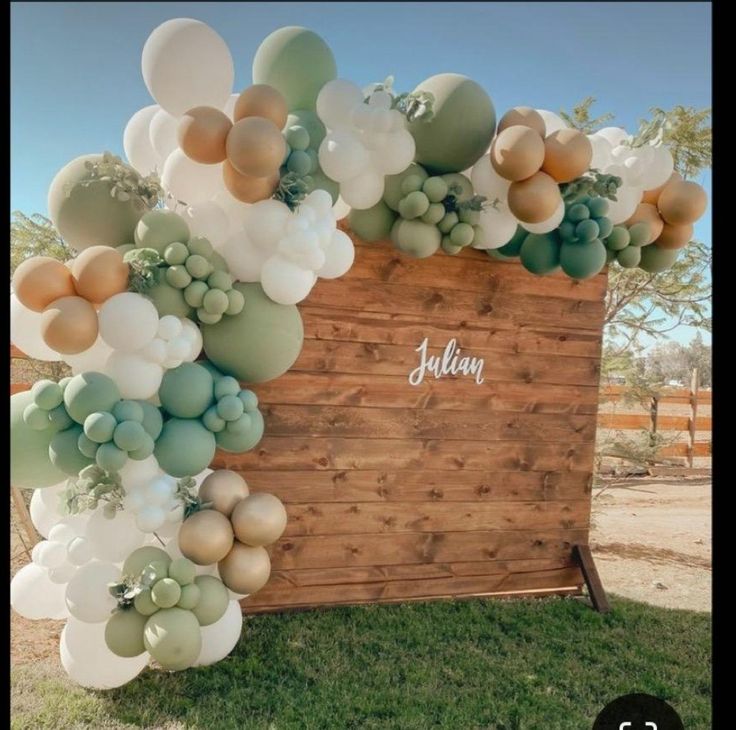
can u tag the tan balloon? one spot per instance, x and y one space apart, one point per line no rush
245 569
223 489
255 147
652 196
534 200
647 213
99 272
248 189
202 134
259 519
673 237
262 100
69 325
567 154
206 537
40 280
523 116
517 153
681 202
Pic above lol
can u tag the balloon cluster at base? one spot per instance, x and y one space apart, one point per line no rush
189 260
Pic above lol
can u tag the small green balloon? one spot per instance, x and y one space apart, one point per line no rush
469 216
435 213
194 293
99 427
605 226
250 400
198 267
168 299
448 222
297 137
578 212
230 408
128 410
449 247
64 451
372 224
87 446
111 458
178 277
158 228
566 230
235 302
59 418
640 234
513 247
413 205
220 280
436 189
411 184
598 207
144 451
152 419
582 262
47 394
309 120
190 595
459 186
392 192
629 257
35 417
212 420
587 230
166 593
89 392
299 162
618 239
185 447
540 253
462 234
183 571
213 601
654 259
129 435
610 255
313 160
187 390
215 302
236 438
173 638
415 238
141 558
124 633
226 385
200 246
176 253
158 569
144 604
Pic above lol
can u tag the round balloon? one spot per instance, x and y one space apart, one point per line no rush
25 332
41 280
372 224
87 596
158 228
99 272
202 133
655 259
185 447
221 637
540 253
34 596
69 325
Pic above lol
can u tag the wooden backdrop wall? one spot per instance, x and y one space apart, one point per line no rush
449 488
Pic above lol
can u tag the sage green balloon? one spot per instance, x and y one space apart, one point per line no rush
296 62
462 187
83 211
494 254
640 233
166 592
372 224
152 419
583 261
158 228
186 391
461 127
144 603
260 343
88 393
183 571
512 249
540 253
190 595
309 120
655 259
30 464
124 633
213 599
142 557
64 451
629 257
392 192
229 439
168 300
173 638
185 447
415 238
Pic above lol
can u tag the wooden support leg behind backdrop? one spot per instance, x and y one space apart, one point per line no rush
584 558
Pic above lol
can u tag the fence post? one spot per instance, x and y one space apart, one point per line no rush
23 515
653 413
693 416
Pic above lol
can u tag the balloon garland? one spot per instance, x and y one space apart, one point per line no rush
147 551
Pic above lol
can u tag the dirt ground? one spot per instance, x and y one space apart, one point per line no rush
651 539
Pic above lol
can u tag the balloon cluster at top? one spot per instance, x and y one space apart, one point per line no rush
181 299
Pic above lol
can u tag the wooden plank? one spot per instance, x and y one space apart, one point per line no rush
407 548
19 387
679 471
595 587
16 353
701 448
306 487
24 515
391 454
679 396
331 518
352 422
630 421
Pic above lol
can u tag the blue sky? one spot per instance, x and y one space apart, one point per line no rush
76 79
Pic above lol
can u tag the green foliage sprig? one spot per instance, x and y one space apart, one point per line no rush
292 190
93 486
416 106
185 494
145 266
592 184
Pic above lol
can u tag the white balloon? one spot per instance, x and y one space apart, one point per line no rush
188 181
363 191
155 351
659 169
221 637
91 360
550 224
235 211
341 209
80 551
136 377
613 135
34 596
160 490
112 539
496 228
25 332
44 508
169 327
150 519
244 259
621 209
137 140
186 64
486 181
552 122
162 133
302 249
284 282
229 108
342 157
266 222
88 662
396 154
49 554
67 529
336 101
136 473
207 220
128 321
340 255
63 574
87 596
601 152
320 201
194 335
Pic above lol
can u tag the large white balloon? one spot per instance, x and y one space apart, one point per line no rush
552 122
221 637
44 508
496 228
113 539
341 209
188 181
621 209
266 222
135 376
601 152
88 662
613 135
87 594
186 64
395 154
91 360
550 224
137 140
35 597
128 321
659 169
25 332
486 181
342 157
162 134
336 101
207 220
364 191
244 259
339 256
136 473
284 282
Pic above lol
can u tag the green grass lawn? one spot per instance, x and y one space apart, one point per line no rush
532 665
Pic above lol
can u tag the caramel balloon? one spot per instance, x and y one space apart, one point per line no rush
523 116
652 196
517 153
255 147
259 519
69 325
202 134
673 237
261 100
99 272
647 213
245 569
534 200
682 201
40 280
248 189
567 154
206 536
223 489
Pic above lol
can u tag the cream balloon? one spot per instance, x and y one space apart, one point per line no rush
91 360
136 473
342 157
25 332
162 134
364 191
128 321
188 181
87 596
221 637
207 220
496 228
336 101
621 209
113 539
284 282
601 152
550 224
487 182
339 256
44 508
613 135
244 259
659 169
137 140
34 596
552 122
135 376
341 209
266 222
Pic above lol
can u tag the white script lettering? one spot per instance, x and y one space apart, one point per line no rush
449 363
